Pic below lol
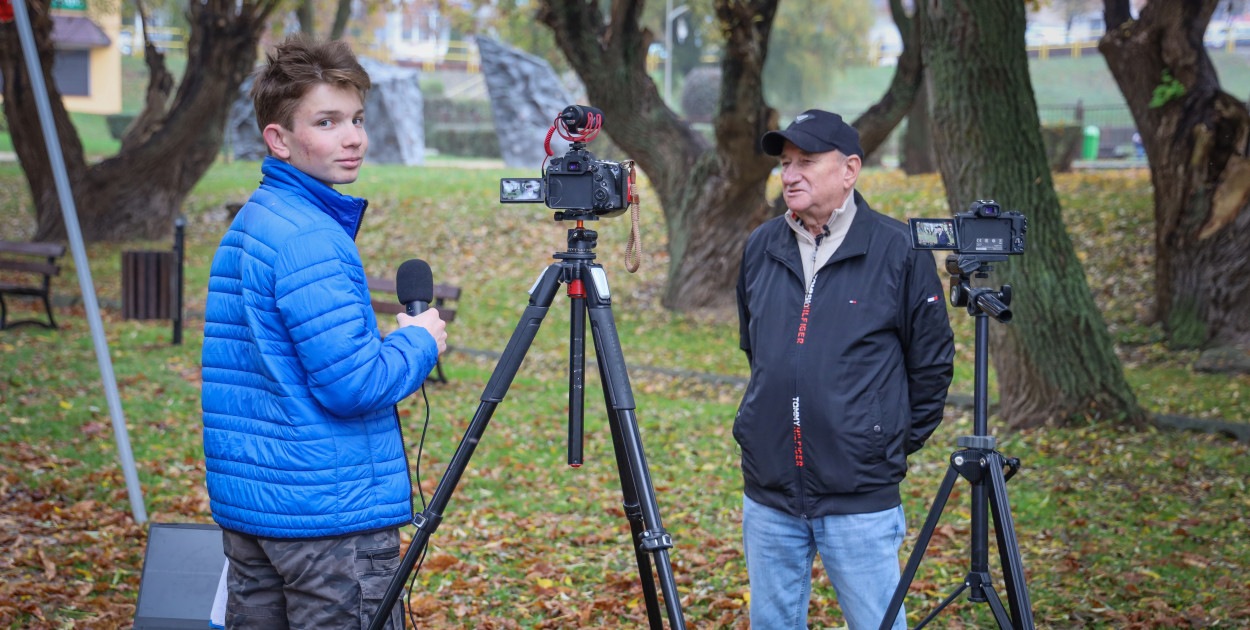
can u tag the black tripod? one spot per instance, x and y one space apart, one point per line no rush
588 288
982 466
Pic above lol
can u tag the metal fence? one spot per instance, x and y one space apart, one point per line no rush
1113 115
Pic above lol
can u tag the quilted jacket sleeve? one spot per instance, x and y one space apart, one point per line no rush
350 369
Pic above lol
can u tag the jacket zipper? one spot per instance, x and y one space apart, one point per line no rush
796 402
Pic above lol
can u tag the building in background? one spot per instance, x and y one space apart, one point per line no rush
88 66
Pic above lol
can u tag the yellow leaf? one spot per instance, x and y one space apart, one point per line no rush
545 583
66 405
1150 573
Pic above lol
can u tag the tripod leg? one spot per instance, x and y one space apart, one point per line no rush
577 378
1009 548
946 602
633 513
1000 613
922 543
631 461
427 522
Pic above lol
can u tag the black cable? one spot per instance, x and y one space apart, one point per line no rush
412 580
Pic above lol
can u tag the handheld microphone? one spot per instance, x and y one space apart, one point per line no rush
414 286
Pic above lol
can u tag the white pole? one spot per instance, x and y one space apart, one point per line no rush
668 52
74 233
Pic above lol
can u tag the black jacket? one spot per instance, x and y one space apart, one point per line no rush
844 384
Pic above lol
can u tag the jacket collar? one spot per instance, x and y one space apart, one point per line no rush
784 248
346 210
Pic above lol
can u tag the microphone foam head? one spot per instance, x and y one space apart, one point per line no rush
414 282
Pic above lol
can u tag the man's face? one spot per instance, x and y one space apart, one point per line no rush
816 184
327 140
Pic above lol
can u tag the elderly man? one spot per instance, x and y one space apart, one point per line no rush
850 347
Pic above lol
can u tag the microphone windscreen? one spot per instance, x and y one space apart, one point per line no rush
414 282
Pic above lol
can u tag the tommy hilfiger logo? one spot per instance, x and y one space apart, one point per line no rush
932 298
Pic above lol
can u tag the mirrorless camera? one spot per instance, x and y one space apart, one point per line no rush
984 229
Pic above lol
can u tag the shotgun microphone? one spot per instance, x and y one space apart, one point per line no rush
414 286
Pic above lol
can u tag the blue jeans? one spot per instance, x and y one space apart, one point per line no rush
859 551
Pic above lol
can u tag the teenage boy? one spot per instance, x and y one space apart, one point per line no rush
306 468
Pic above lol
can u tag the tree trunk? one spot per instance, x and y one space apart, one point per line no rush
23 116
160 85
916 155
341 14
875 124
1055 361
306 15
1197 143
138 192
712 196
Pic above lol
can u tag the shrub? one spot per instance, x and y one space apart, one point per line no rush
1062 146
118 123
699 94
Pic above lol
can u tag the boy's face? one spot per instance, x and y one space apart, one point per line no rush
328 139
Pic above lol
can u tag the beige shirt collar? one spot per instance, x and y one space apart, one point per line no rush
814 255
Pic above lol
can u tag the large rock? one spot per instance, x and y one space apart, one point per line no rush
1224 360
393 117
526 95
243 139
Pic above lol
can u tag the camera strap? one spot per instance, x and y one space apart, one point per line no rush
633 247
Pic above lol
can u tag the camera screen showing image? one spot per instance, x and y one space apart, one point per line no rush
984 229
521 190
933 234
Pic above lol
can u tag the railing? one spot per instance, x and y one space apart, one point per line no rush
1080 114
165 38
459 52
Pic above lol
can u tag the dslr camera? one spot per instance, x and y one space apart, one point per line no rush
985 229
576 183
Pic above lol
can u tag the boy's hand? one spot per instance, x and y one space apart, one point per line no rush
429 320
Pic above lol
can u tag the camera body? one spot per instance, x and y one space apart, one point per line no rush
984 229
576 183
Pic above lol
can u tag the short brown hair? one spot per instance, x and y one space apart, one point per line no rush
298 64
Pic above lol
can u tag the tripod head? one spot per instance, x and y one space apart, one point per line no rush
980 301
582 243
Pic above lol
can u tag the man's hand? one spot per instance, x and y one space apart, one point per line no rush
429 320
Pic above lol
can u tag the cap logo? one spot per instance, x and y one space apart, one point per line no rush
802 117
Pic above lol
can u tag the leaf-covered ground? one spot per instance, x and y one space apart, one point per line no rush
1117 529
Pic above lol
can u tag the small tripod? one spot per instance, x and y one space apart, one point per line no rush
588 287
981 465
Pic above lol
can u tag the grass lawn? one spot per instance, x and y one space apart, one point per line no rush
1118 528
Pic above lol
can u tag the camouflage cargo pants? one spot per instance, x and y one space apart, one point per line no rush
338 583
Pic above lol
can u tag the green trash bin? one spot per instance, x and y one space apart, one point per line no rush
1089 146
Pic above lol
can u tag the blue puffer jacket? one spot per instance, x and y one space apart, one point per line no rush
301 436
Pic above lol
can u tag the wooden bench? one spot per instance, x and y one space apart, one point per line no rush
16 257
443 293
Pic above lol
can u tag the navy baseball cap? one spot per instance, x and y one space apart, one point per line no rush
815 131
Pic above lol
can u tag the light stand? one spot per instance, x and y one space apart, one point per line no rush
588 287
982 466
